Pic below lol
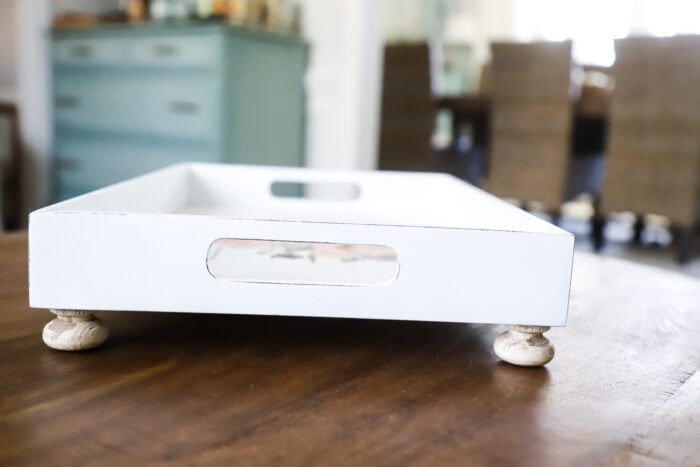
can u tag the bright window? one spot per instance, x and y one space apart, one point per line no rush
594 24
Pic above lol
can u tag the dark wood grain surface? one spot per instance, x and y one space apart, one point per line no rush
172 389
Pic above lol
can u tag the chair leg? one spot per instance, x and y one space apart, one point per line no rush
638 229
684 244
10 183
555 216
597 229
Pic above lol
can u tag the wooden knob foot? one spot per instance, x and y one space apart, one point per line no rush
524 346
74 330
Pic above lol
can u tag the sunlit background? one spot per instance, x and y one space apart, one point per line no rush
546 103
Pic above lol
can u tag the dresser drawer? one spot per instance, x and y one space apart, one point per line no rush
85 164
156 51
182 106
200 51
92 51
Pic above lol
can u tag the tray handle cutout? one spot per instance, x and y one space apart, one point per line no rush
302 263
318 191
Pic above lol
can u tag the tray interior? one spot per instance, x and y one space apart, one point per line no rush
246 192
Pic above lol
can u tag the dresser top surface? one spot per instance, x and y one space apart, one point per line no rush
169 28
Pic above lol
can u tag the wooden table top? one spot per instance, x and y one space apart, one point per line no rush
229 390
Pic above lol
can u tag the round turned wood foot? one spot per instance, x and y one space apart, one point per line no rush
74 330
524 346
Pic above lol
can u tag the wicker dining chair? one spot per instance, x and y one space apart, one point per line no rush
407 109
653 151
531 122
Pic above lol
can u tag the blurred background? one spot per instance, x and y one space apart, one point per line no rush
585 113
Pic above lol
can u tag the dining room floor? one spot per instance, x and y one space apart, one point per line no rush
656 248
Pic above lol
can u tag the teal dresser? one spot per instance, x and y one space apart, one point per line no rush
132 99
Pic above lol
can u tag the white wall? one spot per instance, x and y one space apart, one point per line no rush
33 84
8 42
406 20
343 82
472 23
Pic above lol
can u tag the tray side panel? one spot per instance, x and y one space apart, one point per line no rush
158 263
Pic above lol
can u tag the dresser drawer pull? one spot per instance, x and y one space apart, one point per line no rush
183 107
80 51
164 50
66 163
67 102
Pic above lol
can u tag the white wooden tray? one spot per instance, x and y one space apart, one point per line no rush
210 238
